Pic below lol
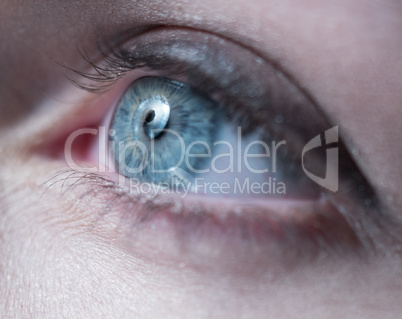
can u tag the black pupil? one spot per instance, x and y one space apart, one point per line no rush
150 117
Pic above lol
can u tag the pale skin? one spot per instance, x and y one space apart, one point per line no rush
56 263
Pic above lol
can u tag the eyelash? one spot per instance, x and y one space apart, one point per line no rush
303 242
118 63
103 78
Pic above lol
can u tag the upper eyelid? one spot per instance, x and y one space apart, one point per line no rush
113 66
116 64
107 63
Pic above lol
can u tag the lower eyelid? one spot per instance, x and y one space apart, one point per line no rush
203 232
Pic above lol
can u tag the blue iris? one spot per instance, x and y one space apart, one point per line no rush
155 122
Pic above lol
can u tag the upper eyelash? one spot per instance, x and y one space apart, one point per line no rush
113 67
103 77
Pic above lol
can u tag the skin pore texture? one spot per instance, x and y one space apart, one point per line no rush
62 257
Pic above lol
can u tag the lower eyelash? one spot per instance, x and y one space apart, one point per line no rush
304 236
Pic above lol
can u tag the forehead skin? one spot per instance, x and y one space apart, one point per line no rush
347 54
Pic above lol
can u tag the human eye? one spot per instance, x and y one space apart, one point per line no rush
202 148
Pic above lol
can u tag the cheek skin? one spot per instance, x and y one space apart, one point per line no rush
52 266
54 261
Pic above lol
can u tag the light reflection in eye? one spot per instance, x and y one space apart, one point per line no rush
151 152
